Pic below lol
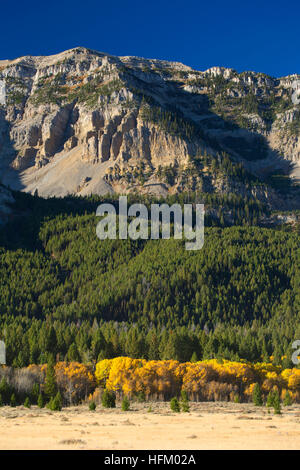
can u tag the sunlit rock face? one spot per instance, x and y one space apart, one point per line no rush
86 122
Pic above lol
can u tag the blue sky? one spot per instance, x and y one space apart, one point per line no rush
246 35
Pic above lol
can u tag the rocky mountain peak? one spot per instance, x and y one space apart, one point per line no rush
83 122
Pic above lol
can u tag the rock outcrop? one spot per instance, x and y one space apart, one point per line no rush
86 122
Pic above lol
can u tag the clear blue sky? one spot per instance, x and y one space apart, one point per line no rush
246 35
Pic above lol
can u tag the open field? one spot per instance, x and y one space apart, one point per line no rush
207 426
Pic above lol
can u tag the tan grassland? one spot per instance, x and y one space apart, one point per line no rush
207 426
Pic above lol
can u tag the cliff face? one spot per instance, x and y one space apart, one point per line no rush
84 122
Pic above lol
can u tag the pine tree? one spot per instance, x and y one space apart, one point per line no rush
276 403
194 357
40 401
50 404
73 354
184 403
35 393
174 405
5 391
125 404
108 399
287 399
55 404
58 401
256 395
92 406
270 399
27 402
153 351
50 387
51 341
13 400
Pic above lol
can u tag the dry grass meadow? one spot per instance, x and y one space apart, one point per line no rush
207 426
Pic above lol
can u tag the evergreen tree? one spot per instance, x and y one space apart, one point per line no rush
125 404
13 401
92 406
184 402
49 405
40 401
153 346
51 341
257 396
27 402
98 345
50 387
287 399
35 393
55 403
270 399
5 391
108 399
194 357
73 354
276 403
174 405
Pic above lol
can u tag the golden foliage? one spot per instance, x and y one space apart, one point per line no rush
203 380
74 379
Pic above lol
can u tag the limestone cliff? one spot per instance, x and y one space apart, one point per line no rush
86 122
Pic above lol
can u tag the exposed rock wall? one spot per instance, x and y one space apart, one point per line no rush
115 122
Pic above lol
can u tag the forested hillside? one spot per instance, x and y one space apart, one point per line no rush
64 291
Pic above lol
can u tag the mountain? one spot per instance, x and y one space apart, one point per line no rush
83 122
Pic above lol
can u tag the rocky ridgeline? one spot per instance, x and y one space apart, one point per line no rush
86 122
